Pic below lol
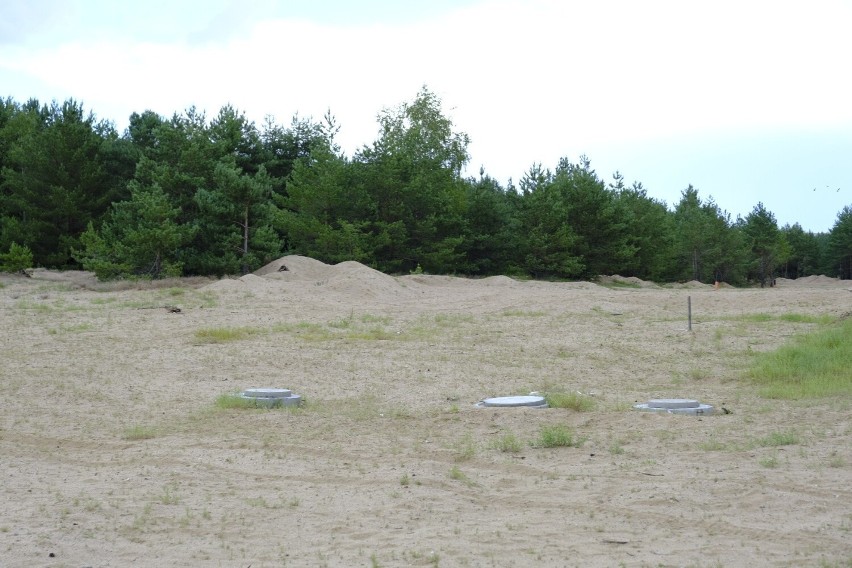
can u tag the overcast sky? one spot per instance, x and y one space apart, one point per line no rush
748 101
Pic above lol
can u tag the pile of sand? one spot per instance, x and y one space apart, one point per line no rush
692 285
821 281
629 280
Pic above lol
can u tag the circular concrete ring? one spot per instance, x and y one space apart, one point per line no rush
672 403
699 409
514 401
267 393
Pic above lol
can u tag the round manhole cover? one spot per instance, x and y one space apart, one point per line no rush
675 406
271 397
512 401
267 393
669 403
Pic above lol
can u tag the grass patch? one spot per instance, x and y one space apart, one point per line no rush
225 334
507 443
815 365
770 462
233 401
790 318
346 328
465 448
523 313
776 439
135 433
572 400
557 436
74 328
712 445
457 474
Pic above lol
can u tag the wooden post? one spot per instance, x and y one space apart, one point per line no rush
689 310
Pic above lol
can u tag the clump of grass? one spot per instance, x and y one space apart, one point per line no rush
233 401
457 474
712 445
465 448
135 433
225 334
776 439
374 333
815 365
555 437
507 443
770 462
572 400
524 313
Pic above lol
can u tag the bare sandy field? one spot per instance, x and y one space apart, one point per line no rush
113 451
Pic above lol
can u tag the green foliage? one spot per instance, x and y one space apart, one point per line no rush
233 401
508 443
556 436
225 334
764 241
840 244
803 252
572 400
190 195
17 259
815 365
706 246
776 439
55 177
141 237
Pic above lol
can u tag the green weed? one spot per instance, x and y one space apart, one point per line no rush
556 436
465 448
233 401
507 443
776 439
135 433
457 474
225 334
815 365
572 400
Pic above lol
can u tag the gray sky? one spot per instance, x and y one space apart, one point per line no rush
748 101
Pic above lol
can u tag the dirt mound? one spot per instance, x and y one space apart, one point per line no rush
821 281
625 280
692 285
499 281
77 278
295 268
360 280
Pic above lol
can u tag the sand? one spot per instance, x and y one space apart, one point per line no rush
114 453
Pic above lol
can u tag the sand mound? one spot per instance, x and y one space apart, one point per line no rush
295 268
692 284
821 281
78 278
628 280
360 280
499 281
225 284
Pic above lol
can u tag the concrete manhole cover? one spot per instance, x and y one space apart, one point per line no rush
271 397
675 406
512 401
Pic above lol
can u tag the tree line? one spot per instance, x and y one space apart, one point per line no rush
188 195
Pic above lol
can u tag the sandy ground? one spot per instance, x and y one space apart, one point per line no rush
114 453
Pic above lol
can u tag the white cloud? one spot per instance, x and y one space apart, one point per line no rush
529 81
